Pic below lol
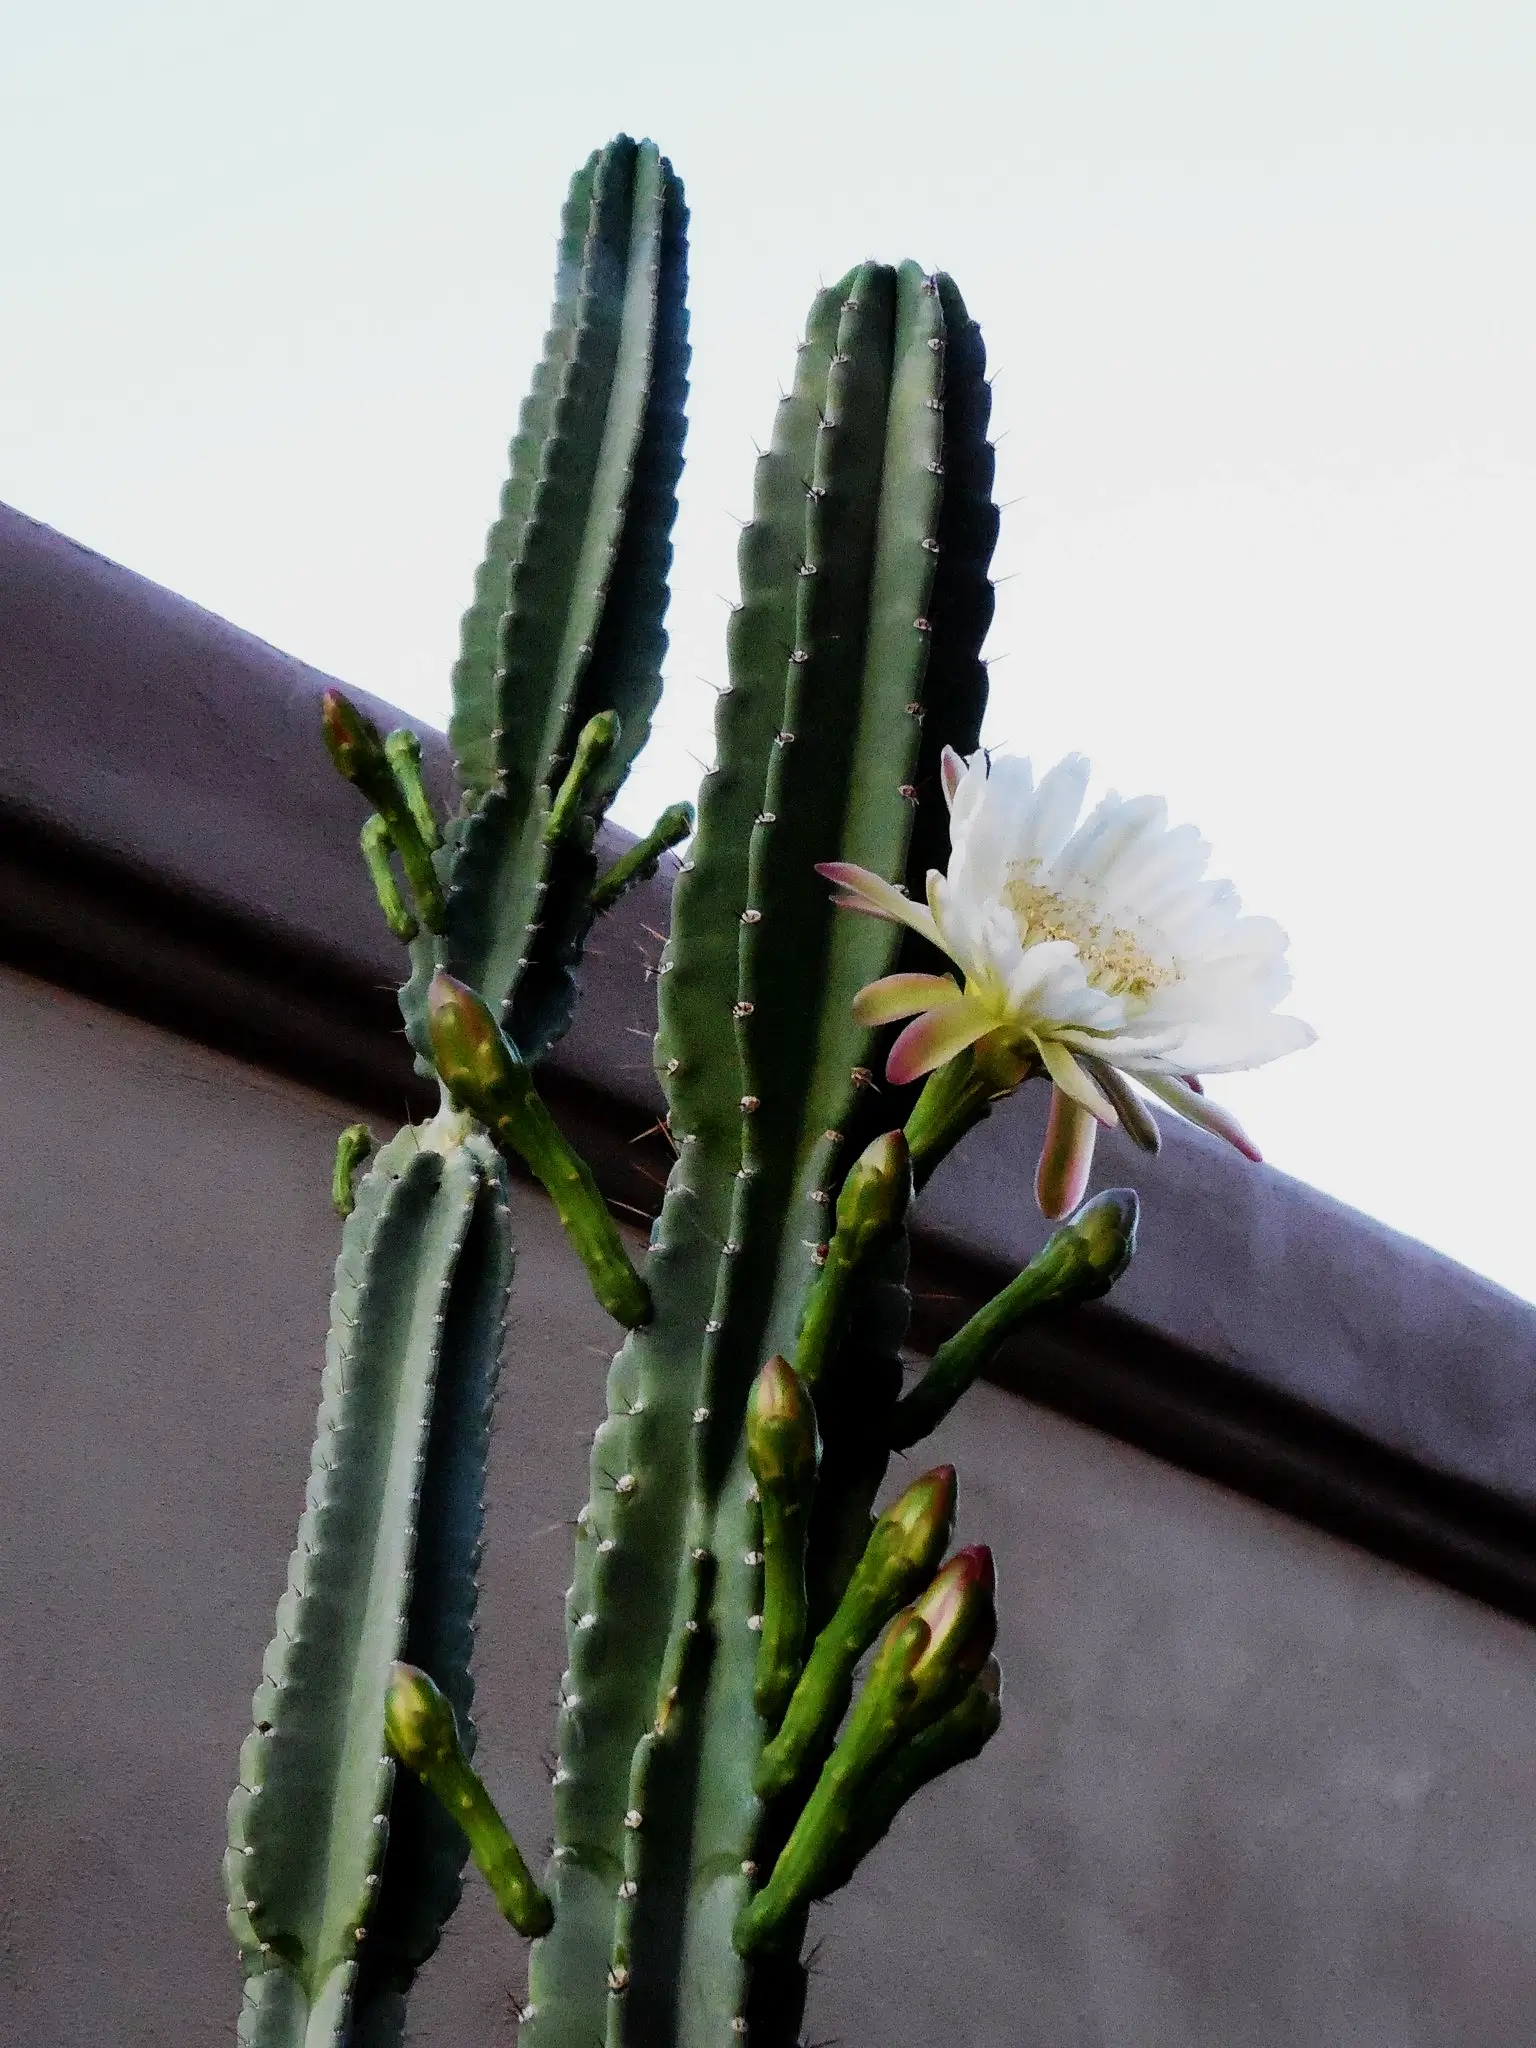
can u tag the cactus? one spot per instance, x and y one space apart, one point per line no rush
718 1770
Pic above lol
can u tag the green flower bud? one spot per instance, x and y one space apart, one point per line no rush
474 1060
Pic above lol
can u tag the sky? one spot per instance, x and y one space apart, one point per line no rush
1258 290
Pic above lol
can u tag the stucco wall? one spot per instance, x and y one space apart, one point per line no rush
1255 1788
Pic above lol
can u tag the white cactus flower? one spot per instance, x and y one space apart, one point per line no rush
1101 946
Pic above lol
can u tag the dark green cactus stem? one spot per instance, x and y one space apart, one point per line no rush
423 1734
580 790
484 1073
871 1212
814 1851
1078 1262
904 1548
353 1149
782 1454
364 759
402 750
378 848
640 860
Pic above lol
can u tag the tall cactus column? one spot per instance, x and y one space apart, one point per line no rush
820 737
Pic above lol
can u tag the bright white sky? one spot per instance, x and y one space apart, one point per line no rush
1258 284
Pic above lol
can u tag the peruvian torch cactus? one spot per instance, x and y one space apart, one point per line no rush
720 1767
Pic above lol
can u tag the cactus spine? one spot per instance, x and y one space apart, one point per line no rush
718 1771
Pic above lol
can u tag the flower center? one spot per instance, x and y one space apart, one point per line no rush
1114 958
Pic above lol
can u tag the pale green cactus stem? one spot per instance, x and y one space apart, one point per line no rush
423 1734
927 1662
782 1453
900 1558
639 861
354 1148
1079 1261
484 1074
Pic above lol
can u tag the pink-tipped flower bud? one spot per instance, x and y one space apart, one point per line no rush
474 1061
782 1447
876 1195
353 742
960 1609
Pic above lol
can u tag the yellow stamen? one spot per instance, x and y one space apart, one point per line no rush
1113 958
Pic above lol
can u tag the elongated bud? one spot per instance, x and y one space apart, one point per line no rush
402 750
594 749
474 1059
871 1209
485 1074
960 1608
904 1548
354 744
1077 1263
782 1451
670 829
352 1149
378 845
423 1735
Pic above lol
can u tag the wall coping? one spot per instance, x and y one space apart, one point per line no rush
174 843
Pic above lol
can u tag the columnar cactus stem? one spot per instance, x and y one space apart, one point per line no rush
1078 1262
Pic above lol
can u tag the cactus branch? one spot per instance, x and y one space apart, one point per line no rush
353 1149
423 1734
484 1073
640 860
1079 1262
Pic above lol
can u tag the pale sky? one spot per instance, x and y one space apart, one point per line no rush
1258 285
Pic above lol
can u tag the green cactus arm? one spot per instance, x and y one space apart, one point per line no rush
627 1619
308 1822
899 1559
421 1877
640 861
582 558
423 1735
353 1149
1078 1262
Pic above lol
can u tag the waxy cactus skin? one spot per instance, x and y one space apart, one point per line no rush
717 1768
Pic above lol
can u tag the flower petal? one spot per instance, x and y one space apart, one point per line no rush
951 774
935 1037
1071 1080
903 995
1199 1109
1136 1120
869 892
1066 1157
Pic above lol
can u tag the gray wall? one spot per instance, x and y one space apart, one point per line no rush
1254 1786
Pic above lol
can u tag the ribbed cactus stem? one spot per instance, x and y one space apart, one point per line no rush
1078 1262
353 1149
815 1849
782 1453
484 1073
871 1211
904 1547
581 789
640 860
423 1734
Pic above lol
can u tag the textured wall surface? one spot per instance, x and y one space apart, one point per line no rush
1255 1788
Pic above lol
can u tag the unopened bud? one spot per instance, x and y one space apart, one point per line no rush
907 1542
960 1609
781 1432
474 1060
419 1723
353 743
876 1195
1090 1251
